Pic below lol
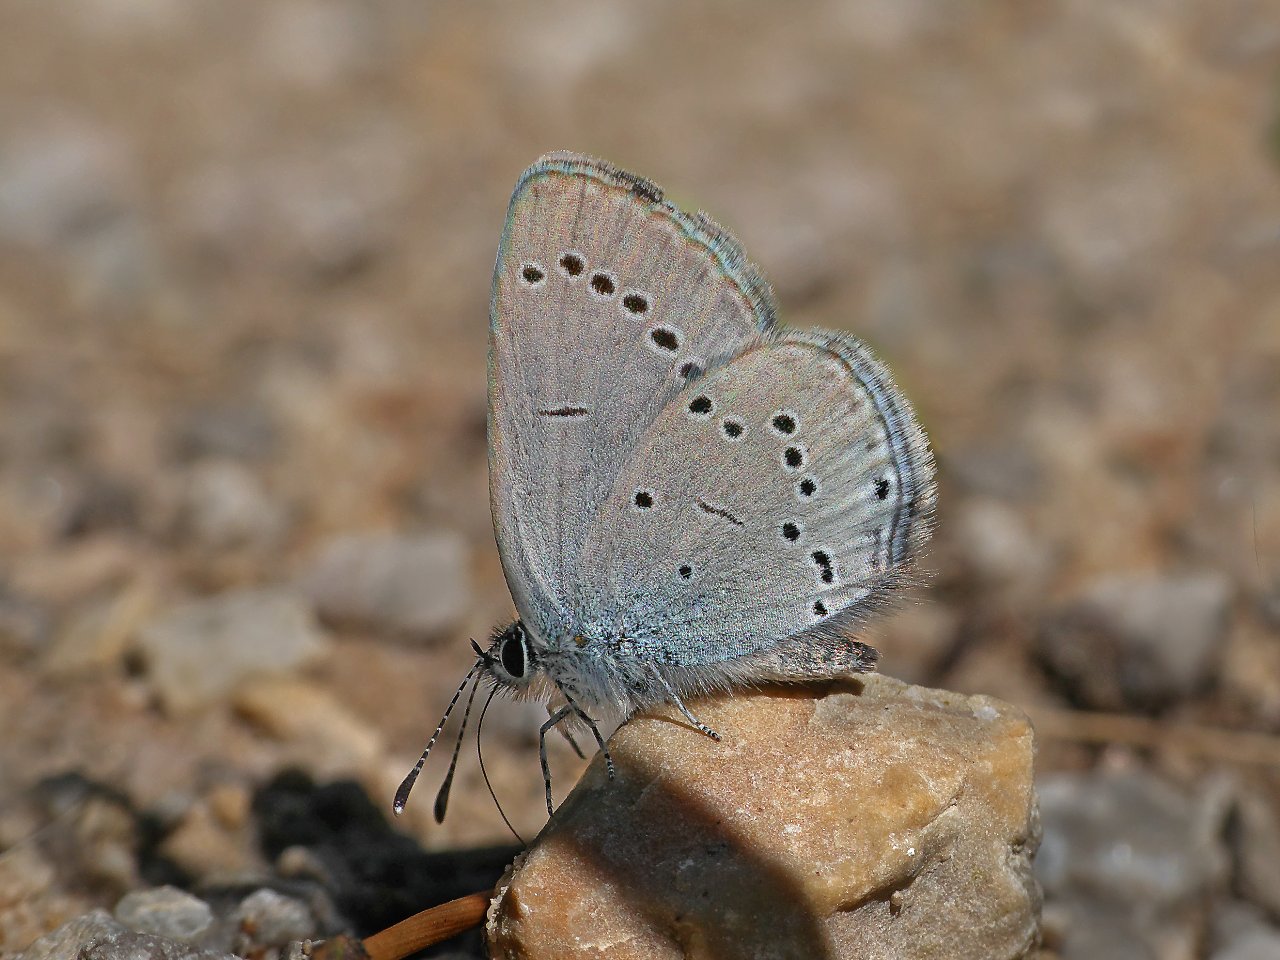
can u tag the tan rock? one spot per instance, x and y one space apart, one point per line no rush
204 846
204 651
333 737
871 820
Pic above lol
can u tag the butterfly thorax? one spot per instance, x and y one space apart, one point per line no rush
595 668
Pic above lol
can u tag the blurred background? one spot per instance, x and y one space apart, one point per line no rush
245 255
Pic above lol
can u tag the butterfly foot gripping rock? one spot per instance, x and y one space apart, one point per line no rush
873 819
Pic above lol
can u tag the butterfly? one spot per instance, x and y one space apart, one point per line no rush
687 495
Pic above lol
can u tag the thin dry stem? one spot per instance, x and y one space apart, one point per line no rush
428 927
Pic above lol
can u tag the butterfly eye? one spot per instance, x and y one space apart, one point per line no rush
512 655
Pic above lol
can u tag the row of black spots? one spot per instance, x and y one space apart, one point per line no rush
784 423
703 408
666 341
603 285
795 456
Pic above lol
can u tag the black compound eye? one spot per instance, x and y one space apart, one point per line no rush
512 655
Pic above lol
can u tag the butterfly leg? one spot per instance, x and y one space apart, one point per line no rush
572 742
595 731
675 698
552 721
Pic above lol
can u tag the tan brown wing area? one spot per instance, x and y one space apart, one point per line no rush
606 301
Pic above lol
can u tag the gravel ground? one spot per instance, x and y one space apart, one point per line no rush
244 273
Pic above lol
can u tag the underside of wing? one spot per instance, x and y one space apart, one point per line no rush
781 497
606 301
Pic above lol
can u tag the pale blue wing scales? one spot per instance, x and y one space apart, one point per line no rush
606 299
785 495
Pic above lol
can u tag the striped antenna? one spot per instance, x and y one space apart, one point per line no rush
402 794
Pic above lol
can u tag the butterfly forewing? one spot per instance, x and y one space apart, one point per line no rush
606 301
785 492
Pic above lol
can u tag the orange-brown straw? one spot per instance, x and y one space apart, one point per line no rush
428 927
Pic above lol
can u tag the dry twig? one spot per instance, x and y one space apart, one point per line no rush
428 927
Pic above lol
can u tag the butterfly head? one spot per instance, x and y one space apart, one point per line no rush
510 660
508 664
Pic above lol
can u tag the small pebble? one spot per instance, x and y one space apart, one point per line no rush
1139 640
200 653
1128 852
271 919
165 912
412 586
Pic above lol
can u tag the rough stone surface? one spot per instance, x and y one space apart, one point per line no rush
166 912
1240 931
1135 857
1139 641
202 845
275 919
224 504
200 653
166 923
1253 945
413 586
1258 850
304 713
875 820
66 941
97 936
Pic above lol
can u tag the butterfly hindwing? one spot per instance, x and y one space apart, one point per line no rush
782 496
